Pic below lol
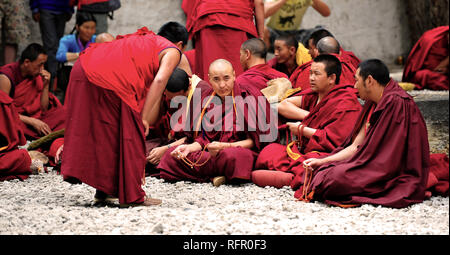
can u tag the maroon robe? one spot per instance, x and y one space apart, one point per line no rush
350 57
14 163
333 118
281 67
391 166
104 140
26 93
219 28
427 53
300 76
258 76
233 163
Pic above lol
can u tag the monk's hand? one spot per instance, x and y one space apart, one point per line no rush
59 153
216 147
293 126
45 76
181 151
146 127
156 154
313 163
40 126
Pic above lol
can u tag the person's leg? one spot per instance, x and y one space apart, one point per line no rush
102 23
50 40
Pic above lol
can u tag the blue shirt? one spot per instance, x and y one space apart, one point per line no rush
69 43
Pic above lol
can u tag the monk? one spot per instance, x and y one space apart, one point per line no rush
104 37
324 116
27 83
253 60
172 134
220 27
427 63
345 56
178 35
222 147
385 159
326 45
285 49
110 108
14 163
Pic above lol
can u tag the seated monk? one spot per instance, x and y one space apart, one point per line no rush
14 163
224 142
427 63
385 160
285 50
325 115
326 45
27 83
253 60
178 35
179 85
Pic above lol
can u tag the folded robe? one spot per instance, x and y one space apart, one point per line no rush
14 163
427 53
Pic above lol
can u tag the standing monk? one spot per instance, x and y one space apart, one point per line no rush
385 159
253 60
220 27
324 115
14 163
113 96
427 64
222 146
27 83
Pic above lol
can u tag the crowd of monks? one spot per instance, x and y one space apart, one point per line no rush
343 132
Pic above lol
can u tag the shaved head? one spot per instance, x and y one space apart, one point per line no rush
104 37
328 45
256 46
220 64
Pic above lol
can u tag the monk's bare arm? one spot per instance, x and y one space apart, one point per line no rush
259 18
44 96
5 84
169 60
290 108
184 64
341 155
321 8
247 143
271 7
40 126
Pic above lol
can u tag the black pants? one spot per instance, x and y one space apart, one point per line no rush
52 29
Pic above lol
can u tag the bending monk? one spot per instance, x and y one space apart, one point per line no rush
110 108
223 143
385 159
253 60
14 163
27 83
324 115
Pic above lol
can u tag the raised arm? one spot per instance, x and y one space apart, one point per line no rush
321 8
273 6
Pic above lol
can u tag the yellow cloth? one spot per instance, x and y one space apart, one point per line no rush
289 16
407 85
302 55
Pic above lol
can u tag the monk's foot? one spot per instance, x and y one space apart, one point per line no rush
148 201
102 197
272 178
218 180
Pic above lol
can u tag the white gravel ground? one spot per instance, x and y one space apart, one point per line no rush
45 205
